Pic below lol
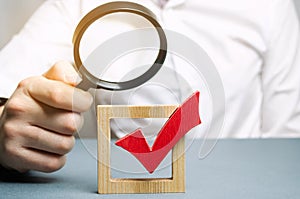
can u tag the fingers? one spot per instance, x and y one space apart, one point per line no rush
44 116
32 148
51 142
63 71
57 120
39 120
56 88
57 94
39 161
44 162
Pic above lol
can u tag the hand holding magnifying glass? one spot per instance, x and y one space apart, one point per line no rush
42 120
91 81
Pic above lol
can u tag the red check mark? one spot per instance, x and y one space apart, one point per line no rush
184 118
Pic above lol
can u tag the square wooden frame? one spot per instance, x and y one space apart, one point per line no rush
108 185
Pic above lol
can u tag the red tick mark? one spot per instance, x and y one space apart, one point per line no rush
184 118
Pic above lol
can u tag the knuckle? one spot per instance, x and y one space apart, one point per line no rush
10 150
80 122
15 106
7 149
25 83
59 65
66 144
11 155
10 130
54 163
56 95
70 127
72 122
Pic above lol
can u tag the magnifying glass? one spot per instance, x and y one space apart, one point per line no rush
91 81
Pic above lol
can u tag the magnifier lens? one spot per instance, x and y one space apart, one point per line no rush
133 63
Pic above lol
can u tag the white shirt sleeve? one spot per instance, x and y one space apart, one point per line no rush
45 39
281 74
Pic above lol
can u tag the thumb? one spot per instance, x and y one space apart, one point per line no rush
63 71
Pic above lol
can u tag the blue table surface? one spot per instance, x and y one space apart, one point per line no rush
247 168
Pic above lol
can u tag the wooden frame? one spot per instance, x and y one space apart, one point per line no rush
108 185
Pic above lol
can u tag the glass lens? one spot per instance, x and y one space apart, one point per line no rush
110 59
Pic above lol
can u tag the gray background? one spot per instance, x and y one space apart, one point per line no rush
14 13
247 169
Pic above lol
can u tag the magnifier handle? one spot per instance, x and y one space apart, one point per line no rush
85 85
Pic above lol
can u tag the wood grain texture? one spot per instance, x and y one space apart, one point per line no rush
107 185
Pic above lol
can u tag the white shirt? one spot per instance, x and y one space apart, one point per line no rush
253 44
